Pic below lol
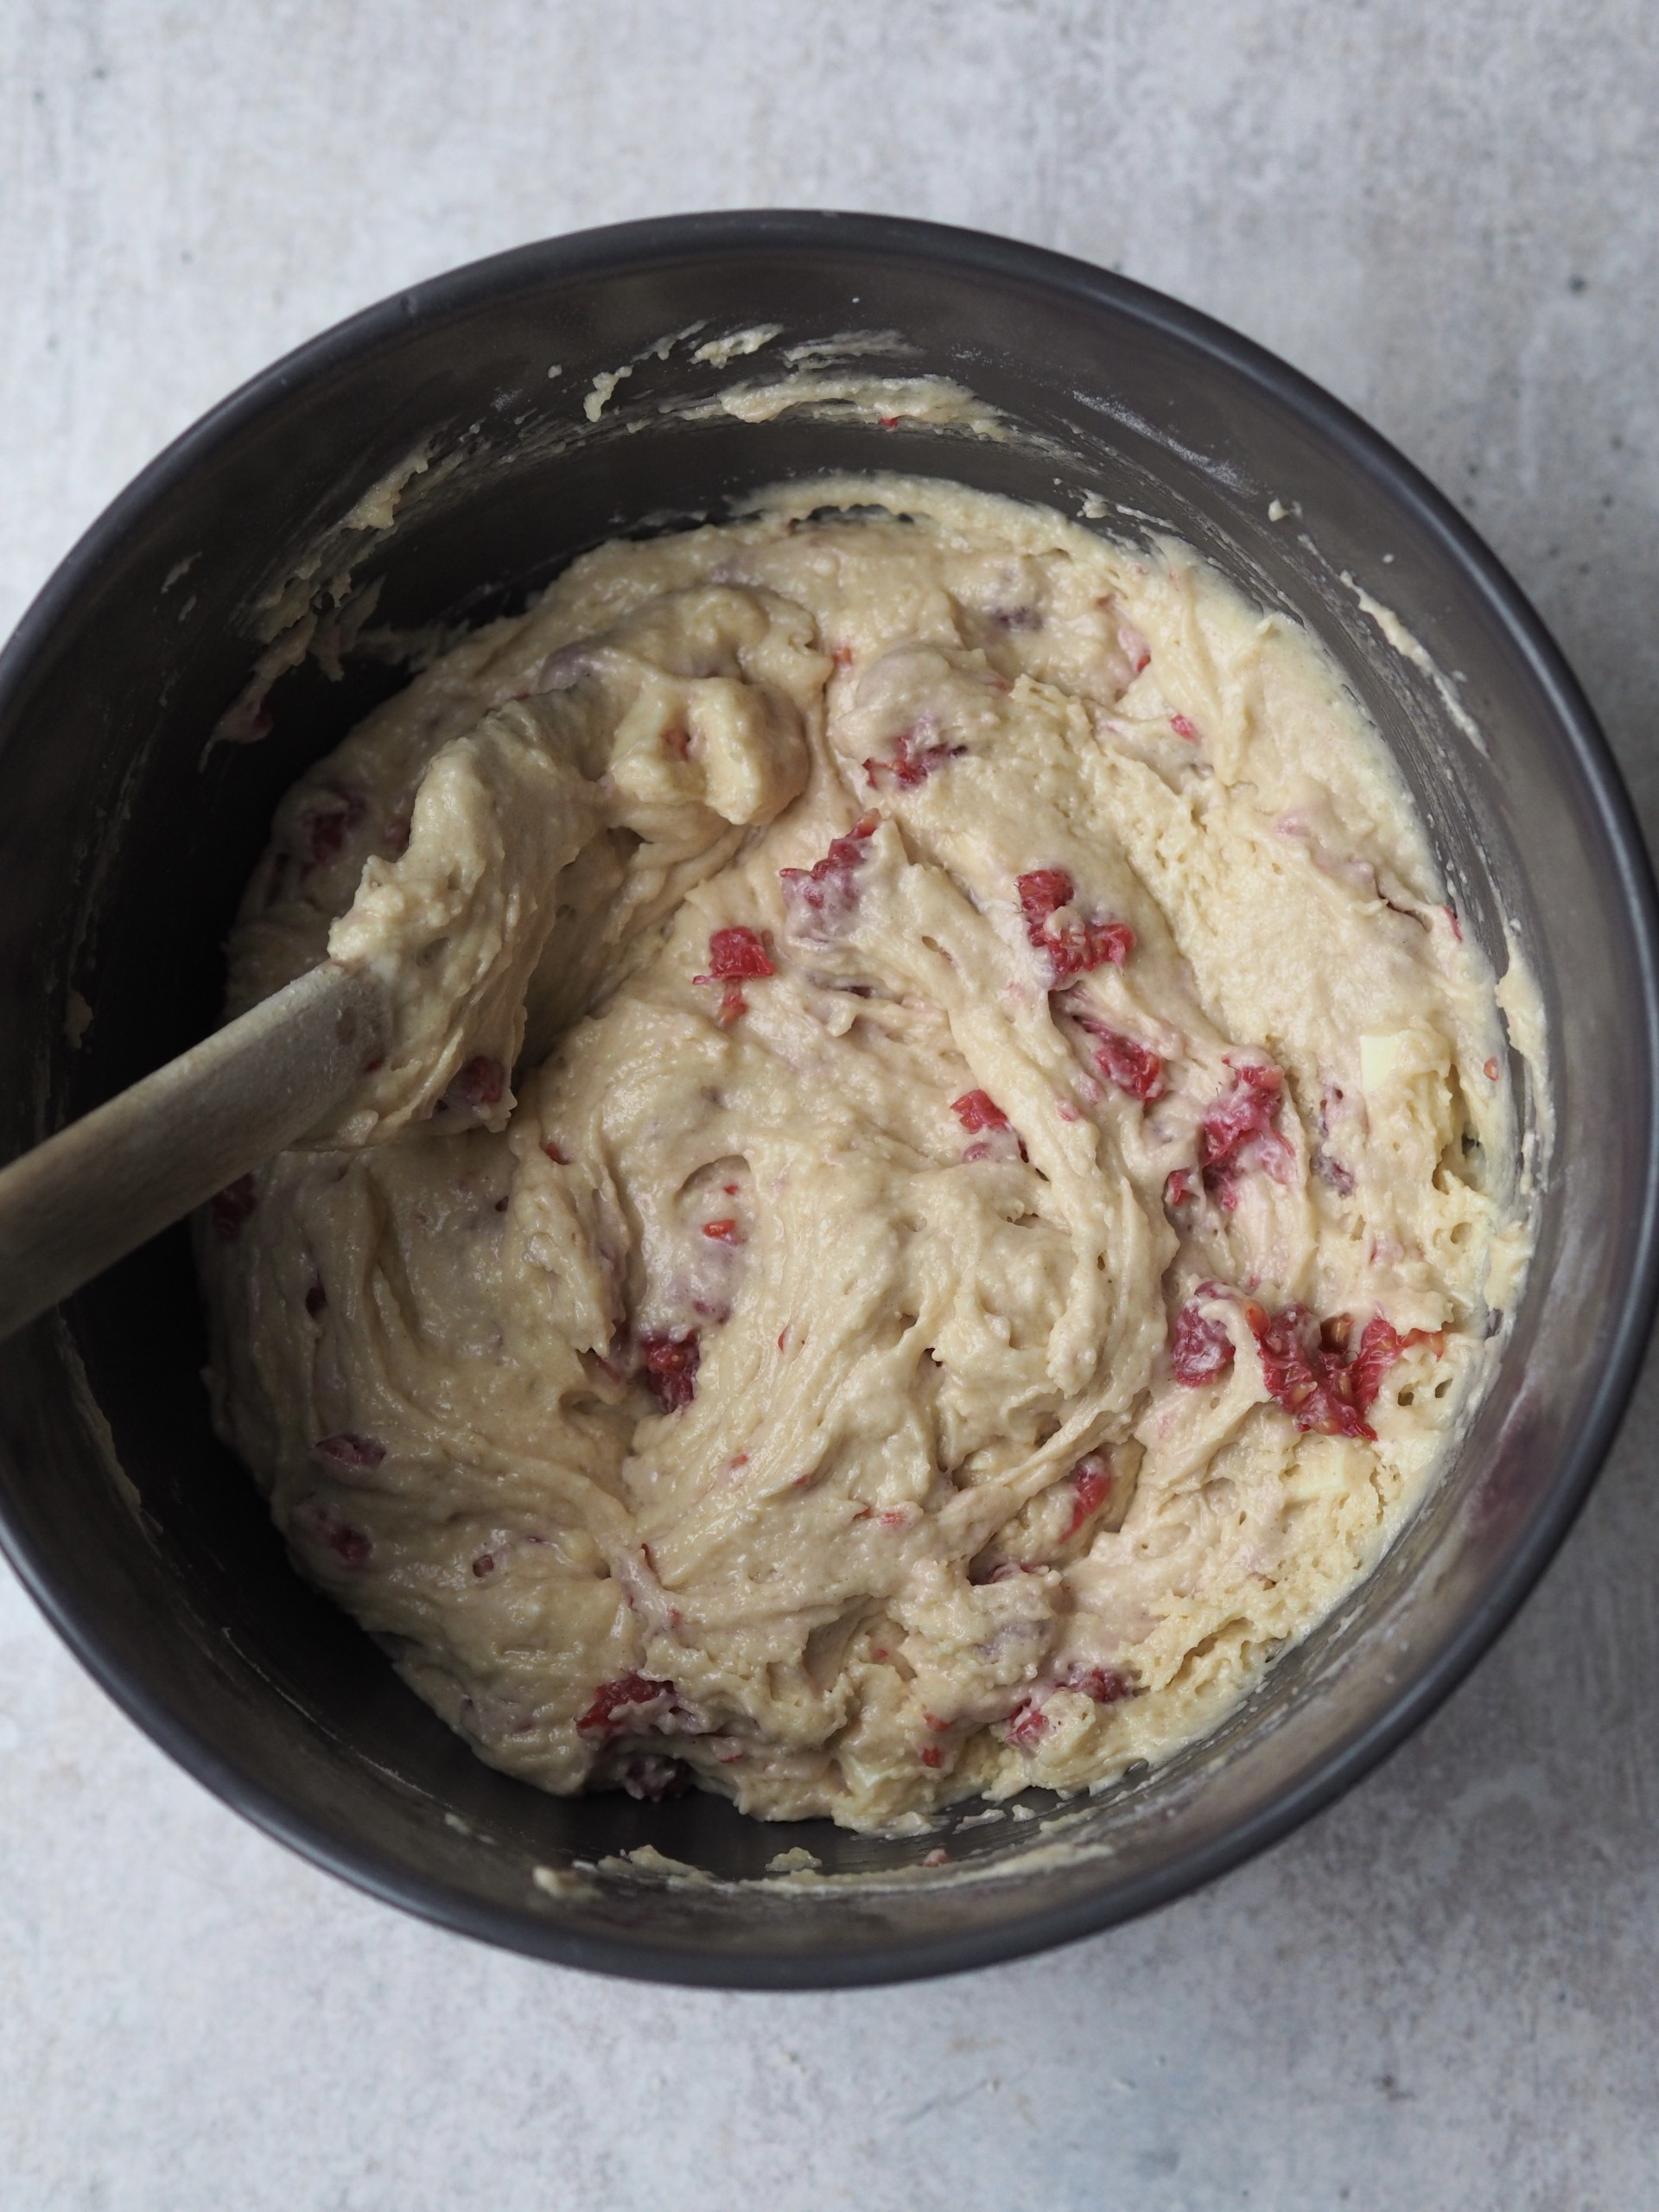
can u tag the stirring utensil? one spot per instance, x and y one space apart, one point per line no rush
99 1188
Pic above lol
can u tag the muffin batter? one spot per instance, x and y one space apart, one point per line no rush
939 1186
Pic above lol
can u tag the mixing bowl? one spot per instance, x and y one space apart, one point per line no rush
431 463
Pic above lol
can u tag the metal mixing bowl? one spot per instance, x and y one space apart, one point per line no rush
123 853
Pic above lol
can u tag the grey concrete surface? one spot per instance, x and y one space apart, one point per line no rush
1443 1993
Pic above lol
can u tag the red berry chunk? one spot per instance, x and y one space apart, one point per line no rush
1200 1349
326 830
1091 1485
1183 727
628 1705
1180 1187
738 951
1379 1348
1074 946
671 1363
479 1083
911 764
350 1545
233 1207
977 1109
349 1449
1240 1124
1305 1371
827 889
1130 1064
723 1232
1027 1724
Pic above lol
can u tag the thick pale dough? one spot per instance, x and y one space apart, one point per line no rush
871 1354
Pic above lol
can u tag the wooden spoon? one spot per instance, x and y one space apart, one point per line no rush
90 1195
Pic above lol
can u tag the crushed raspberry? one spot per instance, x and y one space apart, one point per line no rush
723 1232
910 765
233 1207
977 1109
326 832
628 1705
479 1083
1331 1170
738 951
555 1152
1104 1684
1379 1348
1200 1349
1491 1070
1457 926
671 1363
1091 1485
1242 1121
1180 1187
827 889
349 1544
1026 1726
1130 1064
842 656
1306 1371
678 742
1073 947
1135 650
349 1449
889 422
652 1776
931 1755
1183 727
315 1298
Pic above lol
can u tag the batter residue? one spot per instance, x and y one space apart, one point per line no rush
941 1182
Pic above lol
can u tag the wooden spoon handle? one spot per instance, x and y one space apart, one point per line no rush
88 1195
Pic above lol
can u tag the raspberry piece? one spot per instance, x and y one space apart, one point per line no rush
233 1207
910 764
977 1109
723 1232
931 1755
628 1705
1379 1348
1241 1123
349 1544
349 1449
671 1363
1130 1064
1091 1485
1104 1684
1025 1724
1180 1187
738 951
827 890
1200 1349
1305 1373
555 1152
326 830
1076 946
1183 727
479 1083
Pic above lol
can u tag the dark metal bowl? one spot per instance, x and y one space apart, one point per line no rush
124 856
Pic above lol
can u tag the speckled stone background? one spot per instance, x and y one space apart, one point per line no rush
1444 1992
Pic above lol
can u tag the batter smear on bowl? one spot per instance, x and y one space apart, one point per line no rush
942 1182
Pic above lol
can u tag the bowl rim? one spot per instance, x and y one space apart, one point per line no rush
619 249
